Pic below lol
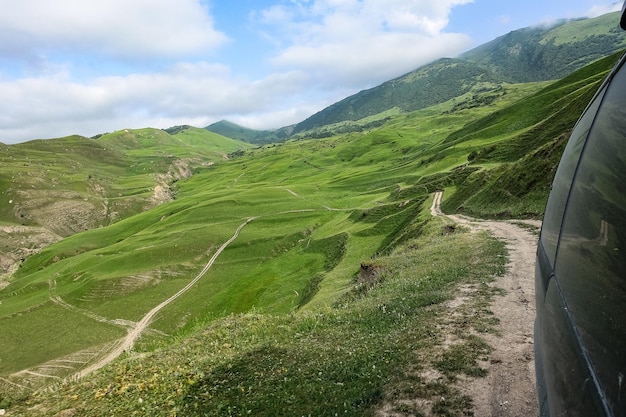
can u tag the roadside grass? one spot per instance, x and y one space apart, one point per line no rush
374 347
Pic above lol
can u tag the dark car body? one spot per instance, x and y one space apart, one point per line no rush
580 330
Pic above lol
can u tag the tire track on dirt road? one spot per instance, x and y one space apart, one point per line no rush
127 343
509 389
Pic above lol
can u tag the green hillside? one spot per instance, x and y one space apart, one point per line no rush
278 323
525 55
517 165
51 189
550 53
117 171
430 85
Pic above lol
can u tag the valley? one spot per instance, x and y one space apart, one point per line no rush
180 272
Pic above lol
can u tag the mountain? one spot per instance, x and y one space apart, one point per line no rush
530 54
550 53
259 137
432 84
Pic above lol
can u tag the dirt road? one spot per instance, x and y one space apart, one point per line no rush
509 388
126 343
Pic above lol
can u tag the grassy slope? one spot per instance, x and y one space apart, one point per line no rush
340 360
323 207
357 186
34 171
527 139
102 180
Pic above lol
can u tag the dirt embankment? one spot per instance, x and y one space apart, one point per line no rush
18 243
508 390
180 169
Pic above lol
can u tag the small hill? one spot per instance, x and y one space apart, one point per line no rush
187 141
233 130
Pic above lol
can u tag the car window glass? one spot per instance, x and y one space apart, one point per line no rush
591 258
563 179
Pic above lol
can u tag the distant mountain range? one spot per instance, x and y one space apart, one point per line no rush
234 131
525 55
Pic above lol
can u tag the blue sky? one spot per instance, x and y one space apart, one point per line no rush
77 67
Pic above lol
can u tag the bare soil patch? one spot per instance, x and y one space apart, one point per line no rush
19 242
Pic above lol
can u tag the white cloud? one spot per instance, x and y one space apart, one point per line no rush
186 93
324 51
356 43
599 10
118 28
370 60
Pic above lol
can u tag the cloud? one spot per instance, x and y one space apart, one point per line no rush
76 67
599 10
114 28
185 93
369 60
356 43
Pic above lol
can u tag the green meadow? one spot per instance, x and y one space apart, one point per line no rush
320 208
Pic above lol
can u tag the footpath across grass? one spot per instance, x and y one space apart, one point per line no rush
370 350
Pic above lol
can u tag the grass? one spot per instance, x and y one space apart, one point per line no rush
320 209
518 185
348 359
566 33
120 272
116 171
67 330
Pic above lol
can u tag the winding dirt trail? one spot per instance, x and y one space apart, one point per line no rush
509 388
126 343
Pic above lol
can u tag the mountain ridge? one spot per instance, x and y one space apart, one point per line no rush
530 54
